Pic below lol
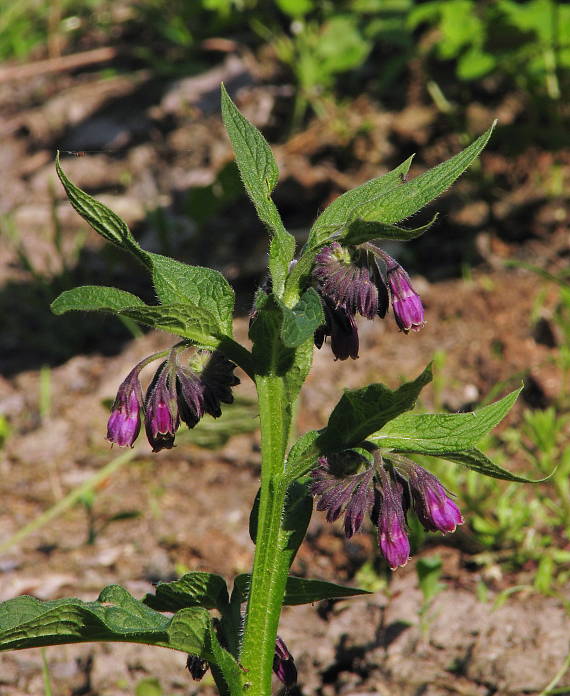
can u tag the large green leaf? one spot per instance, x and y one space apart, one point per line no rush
27 622
361 412
340 212
259 174
95 298
197 589
184 319
398 204
302 590
201 288
439 433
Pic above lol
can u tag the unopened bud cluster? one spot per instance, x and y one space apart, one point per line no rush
363 280
176 393
385 491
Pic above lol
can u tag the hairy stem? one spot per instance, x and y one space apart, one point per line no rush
269 574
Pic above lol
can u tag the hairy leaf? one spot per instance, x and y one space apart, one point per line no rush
361 412
197 589
303 591
477 461
301 322
399 204
363 230
101 218
340 212
438 433
259 174
95 297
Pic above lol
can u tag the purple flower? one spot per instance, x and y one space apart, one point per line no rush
341 327
162 415
391 520
350 279
125 420
432 504
284 664
197 667
406 303
339 494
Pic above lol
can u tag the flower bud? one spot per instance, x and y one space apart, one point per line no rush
341 327
217 378
190 392
197 667
432 504
124 422
162 417
406 303
284 664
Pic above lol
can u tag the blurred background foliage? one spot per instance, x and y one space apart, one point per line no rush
465 50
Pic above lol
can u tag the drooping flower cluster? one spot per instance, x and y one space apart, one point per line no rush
176 393
385 491
361 280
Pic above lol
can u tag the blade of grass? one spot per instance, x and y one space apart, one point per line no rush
70 499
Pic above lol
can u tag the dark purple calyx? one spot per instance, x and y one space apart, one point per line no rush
342 329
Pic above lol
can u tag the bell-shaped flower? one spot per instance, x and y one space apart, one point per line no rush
406 303
390 518
124 422
161 408
432 503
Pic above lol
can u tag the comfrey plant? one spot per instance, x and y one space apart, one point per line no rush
356 466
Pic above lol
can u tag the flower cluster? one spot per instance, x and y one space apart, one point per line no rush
176 393
363 280
385 491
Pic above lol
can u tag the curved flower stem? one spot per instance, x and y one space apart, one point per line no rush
269 574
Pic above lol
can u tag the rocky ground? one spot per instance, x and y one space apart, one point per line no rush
156 153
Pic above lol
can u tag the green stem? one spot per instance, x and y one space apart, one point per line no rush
269 574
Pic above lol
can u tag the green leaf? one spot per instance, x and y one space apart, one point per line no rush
103 220
301 322
361 412
363 230
259 173
303 455
477 461
303 591
95 297
191 321
398 204
341 211
201 288
197 589
438 433
27 622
